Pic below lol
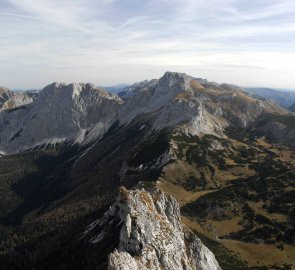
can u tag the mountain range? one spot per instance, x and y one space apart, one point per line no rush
225 155
82 112
284 98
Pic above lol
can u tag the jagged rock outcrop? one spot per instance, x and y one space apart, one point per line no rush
151 235
10 100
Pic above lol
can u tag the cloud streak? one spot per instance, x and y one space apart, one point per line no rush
112 41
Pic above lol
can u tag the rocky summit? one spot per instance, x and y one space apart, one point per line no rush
61 113
151 235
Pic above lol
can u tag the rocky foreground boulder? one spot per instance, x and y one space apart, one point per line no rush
150 234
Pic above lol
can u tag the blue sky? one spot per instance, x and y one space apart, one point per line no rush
250 43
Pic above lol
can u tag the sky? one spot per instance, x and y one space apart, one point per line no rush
107 42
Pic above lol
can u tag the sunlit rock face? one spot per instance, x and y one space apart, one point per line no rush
60 113
151 234
10 100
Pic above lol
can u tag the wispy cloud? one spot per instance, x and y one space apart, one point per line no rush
16 15
112 41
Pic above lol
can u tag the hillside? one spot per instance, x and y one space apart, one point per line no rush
284 98
292 107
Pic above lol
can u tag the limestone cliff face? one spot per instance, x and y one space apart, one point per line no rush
60 113
11 100
151 235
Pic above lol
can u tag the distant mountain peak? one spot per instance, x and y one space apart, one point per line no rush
11 100
170 79
76 89
284 98
62 112
3 90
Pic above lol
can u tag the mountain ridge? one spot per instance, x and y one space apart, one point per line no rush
82 113
283 97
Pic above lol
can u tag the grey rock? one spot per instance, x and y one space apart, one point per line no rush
75 112
152 235
10 100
